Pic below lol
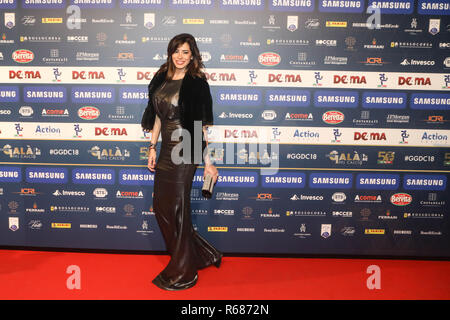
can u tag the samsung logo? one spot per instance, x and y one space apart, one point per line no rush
43 4
434 101
46 175
291 5
194 4
242 4
10 174
434 7
377 181
393 7
347 6
136 177
425 182
240 179
284 180
93 176
94 3
336 99
133 95
44 94
384 100
288 98
331 180
244 97
132 3
92 95
9 94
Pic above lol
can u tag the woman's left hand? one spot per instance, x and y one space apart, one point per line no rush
212 171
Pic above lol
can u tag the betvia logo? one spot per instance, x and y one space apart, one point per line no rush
424 182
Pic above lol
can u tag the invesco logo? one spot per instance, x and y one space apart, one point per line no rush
269 59
333 117
401 199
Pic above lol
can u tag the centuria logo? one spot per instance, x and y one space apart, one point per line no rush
269 59
401 199
88 113
23 56
333 117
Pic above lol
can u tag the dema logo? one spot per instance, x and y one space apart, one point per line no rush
10 174
46 175
425 182
331 180
285 180
377 181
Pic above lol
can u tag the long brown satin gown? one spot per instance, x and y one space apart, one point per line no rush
172 193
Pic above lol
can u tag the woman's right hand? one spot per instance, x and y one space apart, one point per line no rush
151 160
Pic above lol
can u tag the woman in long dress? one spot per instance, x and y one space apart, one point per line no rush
179 95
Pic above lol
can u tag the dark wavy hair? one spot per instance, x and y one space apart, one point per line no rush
195 66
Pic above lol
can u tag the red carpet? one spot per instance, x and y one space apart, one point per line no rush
45 275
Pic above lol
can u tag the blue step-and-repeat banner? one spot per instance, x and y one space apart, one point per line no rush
331 135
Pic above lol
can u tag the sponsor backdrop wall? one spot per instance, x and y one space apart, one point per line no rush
351 105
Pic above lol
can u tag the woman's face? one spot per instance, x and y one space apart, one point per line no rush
182 56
